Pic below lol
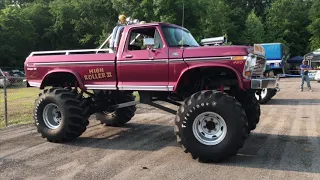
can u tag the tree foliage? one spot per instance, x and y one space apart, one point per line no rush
314 27
17 37
289 28
34 25
254 30
218 20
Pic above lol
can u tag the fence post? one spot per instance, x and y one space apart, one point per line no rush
5 98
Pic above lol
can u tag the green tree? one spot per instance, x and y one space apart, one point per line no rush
254 31
137 9
18 3
2 4
62 31
238 11
17 37
247 5
314 27
170 11
38 14
95 18
79 24
286 23
259 6
181 12
29 25
216 20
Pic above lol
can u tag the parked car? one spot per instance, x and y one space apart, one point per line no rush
10 77
317 76
18 75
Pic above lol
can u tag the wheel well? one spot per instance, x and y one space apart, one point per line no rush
201 78
60 79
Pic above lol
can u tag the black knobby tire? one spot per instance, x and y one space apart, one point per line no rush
120 116
222 104
251 106
270 93
274 92
74 114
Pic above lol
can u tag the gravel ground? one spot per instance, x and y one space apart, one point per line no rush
285 145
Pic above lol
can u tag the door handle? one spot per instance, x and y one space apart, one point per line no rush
128 56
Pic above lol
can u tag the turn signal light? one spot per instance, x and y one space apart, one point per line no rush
247 73
239 58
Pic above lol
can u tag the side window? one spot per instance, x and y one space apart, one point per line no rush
136 41
157 40
137 36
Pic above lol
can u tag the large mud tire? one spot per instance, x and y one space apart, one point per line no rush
227 111
266 95
120 116
70 107
251 106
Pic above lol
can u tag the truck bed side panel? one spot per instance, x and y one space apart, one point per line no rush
95 70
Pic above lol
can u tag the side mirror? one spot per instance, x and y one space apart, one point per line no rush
148 41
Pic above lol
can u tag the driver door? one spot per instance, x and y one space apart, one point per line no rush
140 68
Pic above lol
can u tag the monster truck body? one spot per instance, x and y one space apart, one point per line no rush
214 86
263 95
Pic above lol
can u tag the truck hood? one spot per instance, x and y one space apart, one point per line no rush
215 51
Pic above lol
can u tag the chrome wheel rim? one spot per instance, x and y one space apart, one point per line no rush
52 116
209 128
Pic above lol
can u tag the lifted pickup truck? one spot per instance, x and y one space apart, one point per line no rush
214 87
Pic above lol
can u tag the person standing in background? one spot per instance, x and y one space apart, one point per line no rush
304 67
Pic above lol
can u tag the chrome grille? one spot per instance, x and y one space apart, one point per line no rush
259 67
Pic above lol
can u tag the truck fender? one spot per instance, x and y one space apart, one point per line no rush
76 75
237 73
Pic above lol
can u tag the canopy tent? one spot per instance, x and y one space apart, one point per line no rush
313 58
296 59
313 55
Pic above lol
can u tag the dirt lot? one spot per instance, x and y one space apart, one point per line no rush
285 145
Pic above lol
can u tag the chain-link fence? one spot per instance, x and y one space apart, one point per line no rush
16 98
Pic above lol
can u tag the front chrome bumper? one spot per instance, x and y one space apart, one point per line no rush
262 83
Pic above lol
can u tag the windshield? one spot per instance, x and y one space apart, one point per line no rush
178 37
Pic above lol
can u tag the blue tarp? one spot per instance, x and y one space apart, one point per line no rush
274 51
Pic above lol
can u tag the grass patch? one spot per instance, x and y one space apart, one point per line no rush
20 103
